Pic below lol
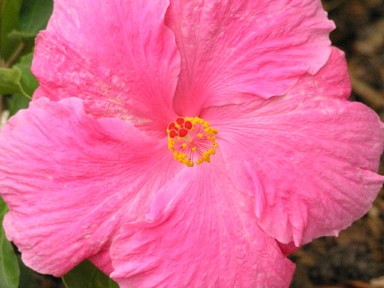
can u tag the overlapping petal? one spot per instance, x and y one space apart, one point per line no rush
232 51
200 232
120 52
72 179
310 160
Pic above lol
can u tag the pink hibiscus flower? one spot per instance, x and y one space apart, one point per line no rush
186 143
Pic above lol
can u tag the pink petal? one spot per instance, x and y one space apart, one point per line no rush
201 232
70 181
309 160
116 55
234 50
331 80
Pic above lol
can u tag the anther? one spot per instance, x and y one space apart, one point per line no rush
191 140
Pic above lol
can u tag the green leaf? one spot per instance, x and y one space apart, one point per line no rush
18 79
9 267
10 81
86 275
9 20
34 16
19 82
16 102
28 81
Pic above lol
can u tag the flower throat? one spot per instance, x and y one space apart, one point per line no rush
191 140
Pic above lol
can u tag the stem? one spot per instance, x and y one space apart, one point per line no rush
15 55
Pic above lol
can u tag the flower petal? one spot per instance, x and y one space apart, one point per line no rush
120 52
234 50
70 180
207 237
331 80
310 161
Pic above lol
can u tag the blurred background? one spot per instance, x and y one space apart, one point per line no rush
354 259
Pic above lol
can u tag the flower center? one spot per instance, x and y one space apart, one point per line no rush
191 140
